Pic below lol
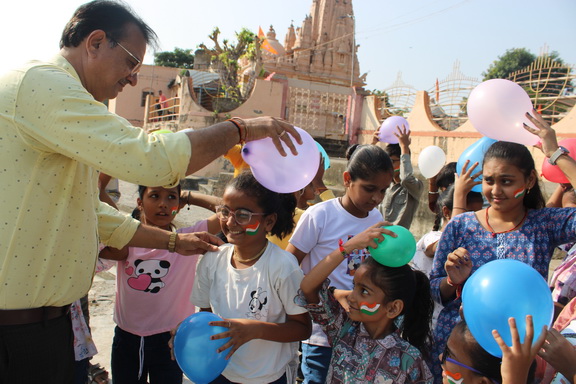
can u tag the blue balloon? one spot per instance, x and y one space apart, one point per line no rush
195 353
475 153
324 155
502 289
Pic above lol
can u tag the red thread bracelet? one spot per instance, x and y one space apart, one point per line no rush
341 248
241 126
457 286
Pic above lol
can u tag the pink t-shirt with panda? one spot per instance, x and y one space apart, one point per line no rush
153 288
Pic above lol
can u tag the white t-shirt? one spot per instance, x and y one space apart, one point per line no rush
317 234
420 261
265 292
424 263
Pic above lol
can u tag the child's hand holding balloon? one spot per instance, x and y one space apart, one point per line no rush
368 237
517 359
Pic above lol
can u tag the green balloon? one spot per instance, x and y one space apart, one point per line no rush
395 251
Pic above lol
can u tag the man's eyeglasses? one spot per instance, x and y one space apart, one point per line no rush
138 65
242 216
445 358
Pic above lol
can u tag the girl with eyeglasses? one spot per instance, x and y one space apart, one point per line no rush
251 284
465 361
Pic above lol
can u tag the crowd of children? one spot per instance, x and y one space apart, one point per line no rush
290 275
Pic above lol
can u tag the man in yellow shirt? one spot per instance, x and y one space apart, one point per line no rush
55 135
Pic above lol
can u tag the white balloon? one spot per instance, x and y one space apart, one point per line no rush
431 161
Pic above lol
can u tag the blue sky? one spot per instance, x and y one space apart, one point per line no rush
420 38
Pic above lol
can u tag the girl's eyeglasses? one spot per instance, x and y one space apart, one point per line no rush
242 216
445 358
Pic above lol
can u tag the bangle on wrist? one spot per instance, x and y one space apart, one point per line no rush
463 209
341 248
172 242
433 192
242 130
457 286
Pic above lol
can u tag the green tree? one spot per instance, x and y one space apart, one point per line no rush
225 58
513 60
179 58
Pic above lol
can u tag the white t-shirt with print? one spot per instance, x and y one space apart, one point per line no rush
265 292
317 234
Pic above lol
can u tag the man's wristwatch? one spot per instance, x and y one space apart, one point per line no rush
559 152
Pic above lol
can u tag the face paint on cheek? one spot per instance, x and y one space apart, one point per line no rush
454 378
519 193
252 229
174 211
369 308
396 170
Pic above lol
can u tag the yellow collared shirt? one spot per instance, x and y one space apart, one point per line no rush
53 138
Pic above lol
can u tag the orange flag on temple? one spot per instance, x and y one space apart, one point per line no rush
265 44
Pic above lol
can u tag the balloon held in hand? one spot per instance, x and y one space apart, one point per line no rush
502 289
497 109
195 353
431 161
283 174
395 251
475 154
390 127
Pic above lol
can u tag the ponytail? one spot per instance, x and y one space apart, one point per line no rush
418 316
413 288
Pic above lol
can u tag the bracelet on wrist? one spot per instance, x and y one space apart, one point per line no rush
457 286
463 209
341 248
242 130
172 242
433 192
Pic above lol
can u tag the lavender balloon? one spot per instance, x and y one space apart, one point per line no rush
283 174
390 127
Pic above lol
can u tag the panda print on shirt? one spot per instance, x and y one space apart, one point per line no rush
147 275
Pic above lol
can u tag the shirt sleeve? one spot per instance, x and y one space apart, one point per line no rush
446 245
56 114
329 314
411 183
288 288
306 234
115 228
203 280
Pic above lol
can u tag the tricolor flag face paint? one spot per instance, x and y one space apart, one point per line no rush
369 308
454 378
397 170
174 211
252 229
519 193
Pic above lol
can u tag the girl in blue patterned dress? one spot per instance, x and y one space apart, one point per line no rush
514 226
379 330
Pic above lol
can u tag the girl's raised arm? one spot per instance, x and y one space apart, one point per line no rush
549 145
312 282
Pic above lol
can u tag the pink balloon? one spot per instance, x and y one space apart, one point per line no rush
552 172
389 128
283 174
497 109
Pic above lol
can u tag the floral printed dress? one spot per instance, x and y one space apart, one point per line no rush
356 356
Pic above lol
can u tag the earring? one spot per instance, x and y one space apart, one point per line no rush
528 191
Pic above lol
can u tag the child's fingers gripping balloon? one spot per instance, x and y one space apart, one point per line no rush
196 354
395 251
502 289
